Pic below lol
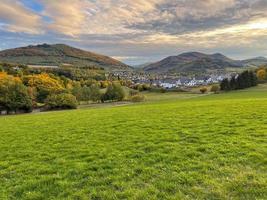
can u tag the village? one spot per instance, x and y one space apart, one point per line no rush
169 81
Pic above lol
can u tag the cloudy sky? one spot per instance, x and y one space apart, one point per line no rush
139 31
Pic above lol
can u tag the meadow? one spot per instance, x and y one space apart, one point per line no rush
174 146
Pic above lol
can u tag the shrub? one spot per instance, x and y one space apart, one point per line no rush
133 92
138 98
215 89
61 101
163 90
146 87
203 90
140 87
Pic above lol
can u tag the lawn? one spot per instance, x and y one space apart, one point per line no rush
193 147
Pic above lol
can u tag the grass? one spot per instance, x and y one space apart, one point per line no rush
206 147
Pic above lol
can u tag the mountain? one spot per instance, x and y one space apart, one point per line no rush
141 66
193 62
59 54
258 61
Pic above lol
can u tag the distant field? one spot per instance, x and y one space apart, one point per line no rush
42 66
174 146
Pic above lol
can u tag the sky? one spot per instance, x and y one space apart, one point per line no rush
138 31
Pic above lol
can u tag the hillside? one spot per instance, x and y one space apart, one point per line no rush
206 147
59 54
258 61
197 62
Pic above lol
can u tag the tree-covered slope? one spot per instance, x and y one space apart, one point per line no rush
59 54
199 62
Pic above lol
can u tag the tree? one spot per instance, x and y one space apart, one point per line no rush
14 95
44 84
253 78
77 91
61 101
215 89
114 92
95 94
241 81
203 90
244 80
233 83
261 74
225 85
86 93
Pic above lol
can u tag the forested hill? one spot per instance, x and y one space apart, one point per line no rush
200 62
59 54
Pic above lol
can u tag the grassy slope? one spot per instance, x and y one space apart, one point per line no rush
211 147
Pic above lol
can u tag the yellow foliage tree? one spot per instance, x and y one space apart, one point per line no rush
261 74
44 85
13 94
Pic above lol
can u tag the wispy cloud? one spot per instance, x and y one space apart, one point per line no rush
15 17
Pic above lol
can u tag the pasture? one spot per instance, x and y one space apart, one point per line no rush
174 146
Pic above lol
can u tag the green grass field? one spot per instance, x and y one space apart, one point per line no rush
174 146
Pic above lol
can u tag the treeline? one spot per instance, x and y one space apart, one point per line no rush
241 81
70 72
25 93
22 90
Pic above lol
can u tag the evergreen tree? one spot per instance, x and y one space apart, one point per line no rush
253 78
233 83
225 85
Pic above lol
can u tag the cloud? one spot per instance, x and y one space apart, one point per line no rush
15 17
66 17
132 29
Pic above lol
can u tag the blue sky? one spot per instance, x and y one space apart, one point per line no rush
139 31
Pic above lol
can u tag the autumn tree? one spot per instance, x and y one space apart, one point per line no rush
44 84
14 95
261 74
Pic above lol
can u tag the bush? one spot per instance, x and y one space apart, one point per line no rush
215 89
163 90
61 101
138 98
133 92
203 90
